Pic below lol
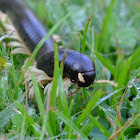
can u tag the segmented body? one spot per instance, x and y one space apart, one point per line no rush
76 64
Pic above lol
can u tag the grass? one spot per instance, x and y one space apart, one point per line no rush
102 111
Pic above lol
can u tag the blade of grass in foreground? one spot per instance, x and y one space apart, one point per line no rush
106 63
107 97
99 125
52 30
12 70
85 95
122 77
92 43
88 108
123 74
62 97
38 96
104 33
52 116
43 116
135 59
64 105
89 128
69 123
84 36
46 126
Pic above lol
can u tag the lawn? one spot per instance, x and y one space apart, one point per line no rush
108 32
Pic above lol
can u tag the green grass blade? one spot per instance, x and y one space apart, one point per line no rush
89 128
135 59
55 77
107 97
123 74
106 63
71 106
38 96
64 105
104 33
52 116
62 97
85 95
85 126
88 108
99 125
92 43
13 71
86 42
69 123
46 126
118 68
84 35
23 127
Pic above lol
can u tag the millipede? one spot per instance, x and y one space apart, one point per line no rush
78 67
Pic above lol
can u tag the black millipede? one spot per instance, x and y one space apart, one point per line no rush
77 66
